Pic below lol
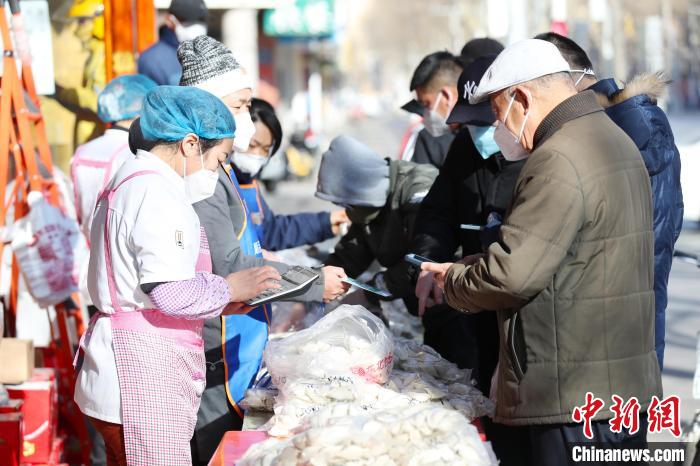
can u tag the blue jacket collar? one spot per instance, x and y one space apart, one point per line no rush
168 36
607 87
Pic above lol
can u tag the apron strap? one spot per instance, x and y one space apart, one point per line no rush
107 196
78 160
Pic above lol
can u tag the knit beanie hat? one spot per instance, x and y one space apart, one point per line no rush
210 65
189 11
352 174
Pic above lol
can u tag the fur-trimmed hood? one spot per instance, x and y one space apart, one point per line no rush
634 109
653 85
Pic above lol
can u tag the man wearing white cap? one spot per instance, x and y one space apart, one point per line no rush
571 276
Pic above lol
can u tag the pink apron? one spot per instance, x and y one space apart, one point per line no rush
106 165
161 368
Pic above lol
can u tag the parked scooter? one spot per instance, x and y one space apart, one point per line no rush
296 162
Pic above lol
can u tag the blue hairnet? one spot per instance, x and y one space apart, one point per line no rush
122 98
172 112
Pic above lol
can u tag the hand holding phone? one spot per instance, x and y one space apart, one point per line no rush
415 259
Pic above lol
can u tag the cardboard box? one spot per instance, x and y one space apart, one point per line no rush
10 438
40 414
17 358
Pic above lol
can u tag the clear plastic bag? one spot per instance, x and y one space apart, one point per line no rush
259 399
292 317
347 341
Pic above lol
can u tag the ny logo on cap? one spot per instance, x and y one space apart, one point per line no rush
469 88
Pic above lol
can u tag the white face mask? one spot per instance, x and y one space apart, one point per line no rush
189 32
509 143
201 184
435 124
245 129
249 163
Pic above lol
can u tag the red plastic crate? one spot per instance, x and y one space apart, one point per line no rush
10 439
12 406
56 454
40 414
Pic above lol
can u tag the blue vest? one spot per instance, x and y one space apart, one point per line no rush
251 196
244 336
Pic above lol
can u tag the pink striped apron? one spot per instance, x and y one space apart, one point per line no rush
161 368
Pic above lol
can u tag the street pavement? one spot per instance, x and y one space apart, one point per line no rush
683 313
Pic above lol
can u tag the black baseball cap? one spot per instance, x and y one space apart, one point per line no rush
479 47
191 11
413 106
463 112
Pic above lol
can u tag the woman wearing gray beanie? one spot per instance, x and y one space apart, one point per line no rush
209 65
233 344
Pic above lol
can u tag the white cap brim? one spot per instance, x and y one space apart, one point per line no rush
227 83
519 63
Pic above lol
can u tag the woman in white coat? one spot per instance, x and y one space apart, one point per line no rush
142 368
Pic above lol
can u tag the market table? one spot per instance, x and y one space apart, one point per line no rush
234 445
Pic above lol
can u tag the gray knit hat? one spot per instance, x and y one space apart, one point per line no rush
189 10
353 174
210 65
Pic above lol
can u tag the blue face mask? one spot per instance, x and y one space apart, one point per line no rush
482 136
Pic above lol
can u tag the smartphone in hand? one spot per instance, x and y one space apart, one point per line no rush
415 259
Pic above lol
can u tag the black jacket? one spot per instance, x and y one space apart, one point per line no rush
467 189
387 238
432 150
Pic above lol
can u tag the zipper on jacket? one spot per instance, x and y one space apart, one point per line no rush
511 348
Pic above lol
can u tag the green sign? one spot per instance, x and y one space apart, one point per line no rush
301 18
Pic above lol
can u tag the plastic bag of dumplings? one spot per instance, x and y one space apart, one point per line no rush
350 341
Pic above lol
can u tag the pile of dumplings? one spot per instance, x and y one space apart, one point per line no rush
427 434
418 414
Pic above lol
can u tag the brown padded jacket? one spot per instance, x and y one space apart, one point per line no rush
571 277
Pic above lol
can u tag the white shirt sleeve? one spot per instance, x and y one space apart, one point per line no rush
164 238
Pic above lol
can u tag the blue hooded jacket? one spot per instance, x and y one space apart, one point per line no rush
634 110
159 62
278 232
